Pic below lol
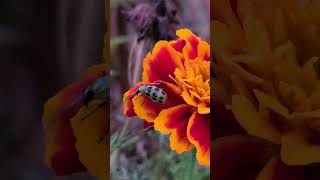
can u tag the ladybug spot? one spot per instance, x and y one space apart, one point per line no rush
161 97
154 98
154 94
149 88
160 101
148 94
163 93
156 89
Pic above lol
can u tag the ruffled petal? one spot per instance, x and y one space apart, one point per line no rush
191 48
178 45
148 110
174 120
204 50
198 133
161 63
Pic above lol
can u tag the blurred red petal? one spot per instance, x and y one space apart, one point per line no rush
65 160
239 157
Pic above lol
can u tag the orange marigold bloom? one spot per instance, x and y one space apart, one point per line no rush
182 69
267 75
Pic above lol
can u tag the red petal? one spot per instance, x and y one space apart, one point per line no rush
147 125
178 45
199 135
128 108
191 48
161 63
175 120
65 160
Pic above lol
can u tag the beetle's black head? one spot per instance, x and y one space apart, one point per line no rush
88 95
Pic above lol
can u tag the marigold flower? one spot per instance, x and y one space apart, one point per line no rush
182 69
72 144
266 73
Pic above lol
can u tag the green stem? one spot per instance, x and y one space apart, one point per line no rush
192 164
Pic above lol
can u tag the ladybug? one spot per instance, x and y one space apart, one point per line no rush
155 94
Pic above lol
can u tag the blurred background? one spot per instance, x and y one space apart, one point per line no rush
138 154
44 46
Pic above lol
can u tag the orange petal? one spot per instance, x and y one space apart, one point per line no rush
174 120
149 110
161 63
204 108
179 141
204 50
191 48
198 133
89 132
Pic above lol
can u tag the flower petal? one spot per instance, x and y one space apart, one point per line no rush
89 132
198 133
204 50
128 109
191 48
62 155
204 108
161 63
297 150
249 118
58 110
239 157
179 141
275 169
178 45
148 110
173 118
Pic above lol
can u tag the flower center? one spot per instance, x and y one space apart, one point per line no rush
194 81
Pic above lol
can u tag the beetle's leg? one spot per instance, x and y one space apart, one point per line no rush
157 82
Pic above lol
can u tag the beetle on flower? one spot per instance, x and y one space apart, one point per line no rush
181 69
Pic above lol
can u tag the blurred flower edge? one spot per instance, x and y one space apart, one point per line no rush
266 75
73 145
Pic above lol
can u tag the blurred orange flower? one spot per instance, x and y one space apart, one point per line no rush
182 69
68 136
267 75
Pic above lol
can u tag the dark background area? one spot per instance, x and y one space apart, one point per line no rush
44 45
